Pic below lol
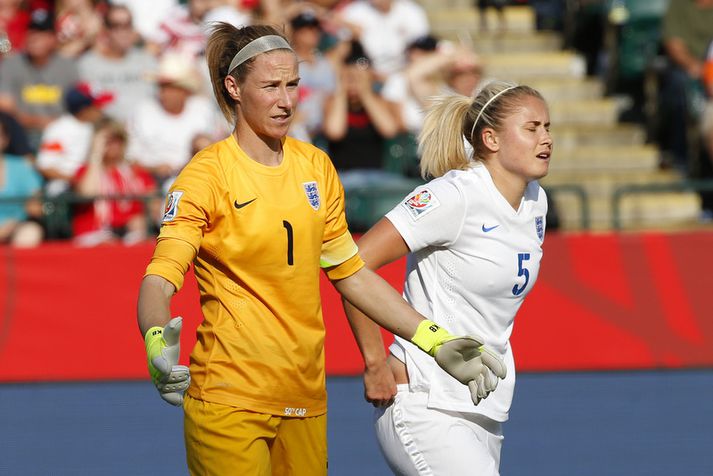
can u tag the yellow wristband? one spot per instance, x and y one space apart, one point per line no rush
429 336
153 340
153 335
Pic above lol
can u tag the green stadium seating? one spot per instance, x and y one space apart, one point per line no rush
367 205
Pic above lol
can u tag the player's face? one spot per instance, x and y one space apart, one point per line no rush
267 99
525 141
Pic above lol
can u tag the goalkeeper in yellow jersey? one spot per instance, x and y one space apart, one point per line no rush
258 214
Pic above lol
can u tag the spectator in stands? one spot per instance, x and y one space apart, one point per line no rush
148 15
66 140
21 185
18 143
402 90
385 28
237 13
32 84
183 30
433 68
117 66
464 72
706 162
78 26
107 173
687 31
706 156
276 12
357 121
14 18
161 128
317 76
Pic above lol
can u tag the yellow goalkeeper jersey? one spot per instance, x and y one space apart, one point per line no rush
257 236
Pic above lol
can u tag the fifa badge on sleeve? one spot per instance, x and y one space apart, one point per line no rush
171 209
420 203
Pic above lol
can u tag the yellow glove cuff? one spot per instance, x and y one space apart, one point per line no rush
430 336
153 340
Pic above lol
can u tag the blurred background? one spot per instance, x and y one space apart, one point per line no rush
103 102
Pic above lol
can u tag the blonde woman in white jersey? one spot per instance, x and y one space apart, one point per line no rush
473 236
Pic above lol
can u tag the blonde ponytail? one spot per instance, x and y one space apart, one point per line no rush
441 139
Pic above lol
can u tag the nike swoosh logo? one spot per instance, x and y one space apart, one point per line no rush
489 228
244 204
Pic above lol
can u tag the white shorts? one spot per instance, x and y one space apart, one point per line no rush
417 440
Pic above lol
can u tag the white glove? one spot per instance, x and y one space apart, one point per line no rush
471 363
163 349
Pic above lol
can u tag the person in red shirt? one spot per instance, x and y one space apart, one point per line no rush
15 16
106 174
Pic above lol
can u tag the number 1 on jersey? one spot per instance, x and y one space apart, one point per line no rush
521 271
288 228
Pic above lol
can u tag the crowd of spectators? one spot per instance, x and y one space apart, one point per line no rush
687 92
669 79
103 102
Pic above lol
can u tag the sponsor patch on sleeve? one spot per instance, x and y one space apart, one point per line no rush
420 203
171 209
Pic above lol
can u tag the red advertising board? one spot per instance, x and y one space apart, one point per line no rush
611 301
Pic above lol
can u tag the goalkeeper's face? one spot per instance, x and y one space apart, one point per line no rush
267 99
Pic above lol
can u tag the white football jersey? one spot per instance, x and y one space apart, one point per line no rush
473 260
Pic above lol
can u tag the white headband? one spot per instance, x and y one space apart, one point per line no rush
257 46
477 118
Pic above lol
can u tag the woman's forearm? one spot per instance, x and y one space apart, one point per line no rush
154 302
373 296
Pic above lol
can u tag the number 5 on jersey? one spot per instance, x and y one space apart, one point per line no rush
522 271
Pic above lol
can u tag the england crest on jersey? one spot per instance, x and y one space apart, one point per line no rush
312 193
540 227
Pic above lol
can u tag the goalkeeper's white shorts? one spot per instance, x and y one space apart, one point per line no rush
417 440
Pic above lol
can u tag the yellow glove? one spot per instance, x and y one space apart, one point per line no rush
464 358
162 351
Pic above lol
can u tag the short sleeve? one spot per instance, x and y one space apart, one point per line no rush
431 215
52 148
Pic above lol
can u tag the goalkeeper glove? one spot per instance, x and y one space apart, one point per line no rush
162 352
464 358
